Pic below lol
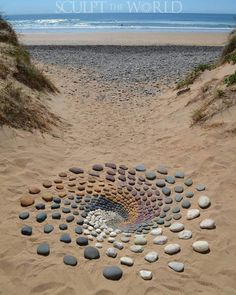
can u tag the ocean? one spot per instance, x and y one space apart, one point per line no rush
123 22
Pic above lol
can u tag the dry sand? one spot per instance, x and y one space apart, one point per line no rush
97 131
125 38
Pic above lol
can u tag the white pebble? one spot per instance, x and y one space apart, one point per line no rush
204 202
185 234
127 261
208 224
151 256
156 231
176 227
145 274
193 213
160 240
201 246
172 249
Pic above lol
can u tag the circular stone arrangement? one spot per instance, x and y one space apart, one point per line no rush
111 210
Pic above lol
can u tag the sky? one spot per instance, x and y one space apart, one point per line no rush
9 7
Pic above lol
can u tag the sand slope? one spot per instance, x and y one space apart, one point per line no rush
124 132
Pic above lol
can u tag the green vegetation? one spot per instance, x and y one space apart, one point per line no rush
230 80
220 93
229 52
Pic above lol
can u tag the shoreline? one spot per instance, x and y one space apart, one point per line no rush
125 38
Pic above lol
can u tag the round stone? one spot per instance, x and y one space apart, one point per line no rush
176 210
55 206
97 167
98 245
70 260
189 194
125 239
65 238
177 216
160 183
82 241
178 198
188 182
40 217
70 218
166 191
204 202
179 174
26 230
170 179
186 204
76 170
176 266
140 241
63 226
136 248
185 234
145 274
80 221
179 189
43 249
150 175
172 249
160 240
66 210
26 201
111 252
208 224
162 169
176 227
140 168
56 215
118 245
24 215
48 228
151 256
112 273
192 213
34 190
201 246
91 253
47 183
127 261
156 232
47 198
40 206
200 187
79 230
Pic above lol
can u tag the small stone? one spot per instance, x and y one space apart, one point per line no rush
185 234
127 261
111 252
140 241
47 183
79 230
26 230
176 210
97 167
82 241
201 246
204 202
188 182
48 228
26 201
65 238
140 168
186 204
151 256
80 221
162 169
176 227
178 198
176 266
63 226
76 170
208 224
136 248
70 218
56 215
179 189
70 260
40 217
98 245
91 253
160 183
24 215
125 239
47 198
112 273
40 206
34 190
156 232
118 245
150 175
166 191
193 213
160 240
170 179
179 174
200 187
189 194
172 249
145 274
43 249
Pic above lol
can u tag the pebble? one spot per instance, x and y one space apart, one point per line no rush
208 224
63 226
188 182
140 168
125 239
56 215
70 260
179 174
65 238
160 183
112 273
176 266
47 198
140 241
150 175
24 215
170 179
204 202
70 218
76 170
82 241
47 183
136 248
48 228
201 246
192 214
166 191
151 256
179 189
185 234
172 249
97 167
127 261
26 201
178 198
162 169
118 245
34 190
200 187
40 206
43 249
189 194
26 230
98 245
176 227
160 240
79 230
156 232
186 204
111 252
91 253
145 274
40 217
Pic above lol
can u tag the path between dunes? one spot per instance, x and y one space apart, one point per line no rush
154 132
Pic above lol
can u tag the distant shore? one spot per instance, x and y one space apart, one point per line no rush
126 38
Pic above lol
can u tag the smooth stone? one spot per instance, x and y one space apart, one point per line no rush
70 260
82 241
156 232
145 274
40 217
47 183
24 215
65 238
98 245
201 246
91 253
166 191
150 175
56 215
125 239
76 170
118 245
127 261
172 249
176 210
160 240
63 226
140 168
176 266
79 230
189 194
166 208
168 200
26 230
26 201
170 179
160 221
111 252
40 206
208 224
47 198
192 213
160 183
200 187
151 256
112 273
43 249
179 189
162 169
177 216
136 248
185 204
176 227
188 182
34 190
70 218
185 234
204 202
97 167
179 174
140 241
80 221
66 210
48 228
111 240
178 198
55 206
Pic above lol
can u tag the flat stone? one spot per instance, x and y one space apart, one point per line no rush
172 249
40 217
63 226
127 261
200 187
160 240
145 274
48 228
140 241
160 183
56 215
65 238
97 167
80 221
79 230
47 198
151 256
26 230
176 210
179 189
66 210
188 182
76 170
201 246
192 214
43 249
34 190
82 241
177 216
70 218
70 260
189 194
208 224
140 168
170 179
178 198
179 174
47 183
91 253
136 248
162 169
204 202
112 273
150 175
166 191
185 234
98 245
125 239
185 204
118 245
176 227
156 232
111 252
55 206
176 266
24 215
26 201
40 206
